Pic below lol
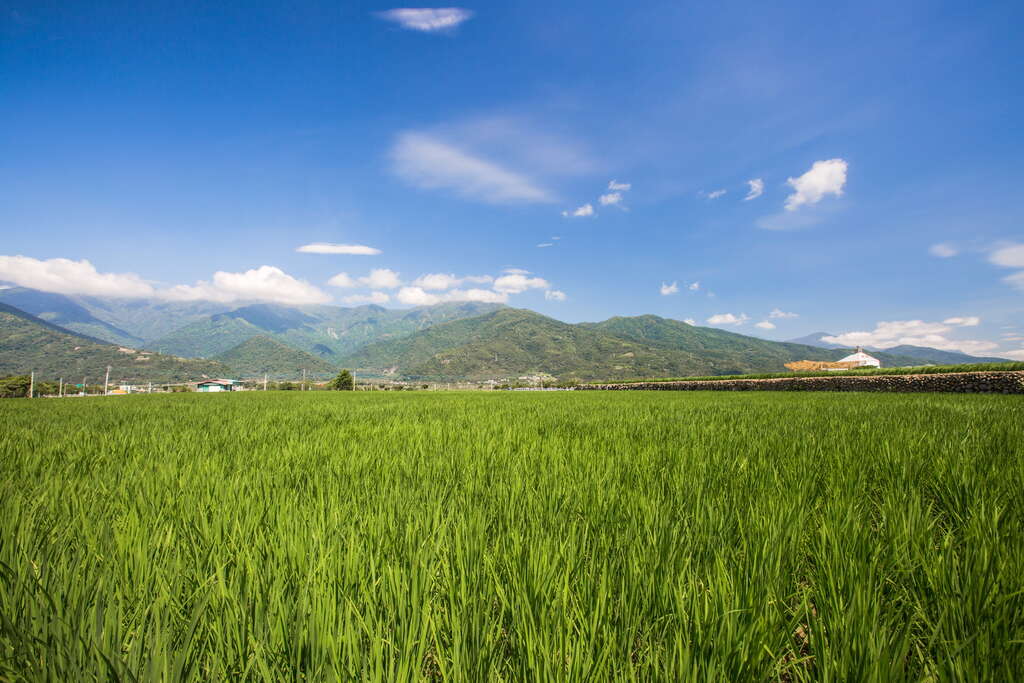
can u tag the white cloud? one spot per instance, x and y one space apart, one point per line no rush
716 194
824 178
328 248
765 325
585 210
64 276
266 283
437 281
379 278
756 189
479 279
556 237
417 296
968 321
667 289
616 186
943 250
691 322
1011 256
371 298
429 163
428 20
1015 280
517 283
517 271
554 295
545 245
1015 355
728 319
694 286
888 334
778 313
610 199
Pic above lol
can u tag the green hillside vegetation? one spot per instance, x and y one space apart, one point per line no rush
66 312
263 355
513 342
326 331
28 344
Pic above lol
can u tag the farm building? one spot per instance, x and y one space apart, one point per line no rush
857 359
211 385
861 359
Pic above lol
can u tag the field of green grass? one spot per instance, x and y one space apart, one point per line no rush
912 370
489 536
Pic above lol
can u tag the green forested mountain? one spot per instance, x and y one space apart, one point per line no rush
264 355
513 342
28 343
326 331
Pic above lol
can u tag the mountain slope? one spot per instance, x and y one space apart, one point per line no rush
67 313
513 342
925 354
28 343
263 355
815 339
326 331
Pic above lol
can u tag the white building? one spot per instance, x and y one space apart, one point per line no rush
861 359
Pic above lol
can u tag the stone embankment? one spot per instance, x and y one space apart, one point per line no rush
996 382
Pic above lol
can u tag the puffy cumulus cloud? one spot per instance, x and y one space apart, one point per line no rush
967 321
64 276
430 163
765 325
824 178
616 186
427 19
379 278
888 334
436 281
1017 354
554 295
778 313
715 194
728 319
329 248
943 250
517 283
691 322
417 296
694 286
610 199
667 289
371 298
580 212
266 283
756 189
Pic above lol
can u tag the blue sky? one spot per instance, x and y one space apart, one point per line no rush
189 152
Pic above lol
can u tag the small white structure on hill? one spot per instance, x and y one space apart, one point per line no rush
861 359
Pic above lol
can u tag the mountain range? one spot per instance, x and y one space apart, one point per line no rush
922 354
449 341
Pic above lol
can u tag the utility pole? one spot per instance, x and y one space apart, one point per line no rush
303 379
84 386
31 384
106 381
60 388
150 391
264 381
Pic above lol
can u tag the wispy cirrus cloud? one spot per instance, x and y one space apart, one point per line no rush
943 250
756 189
427 19
431 163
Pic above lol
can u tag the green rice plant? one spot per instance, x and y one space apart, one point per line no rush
629 536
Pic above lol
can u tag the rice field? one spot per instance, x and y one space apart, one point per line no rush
499 536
